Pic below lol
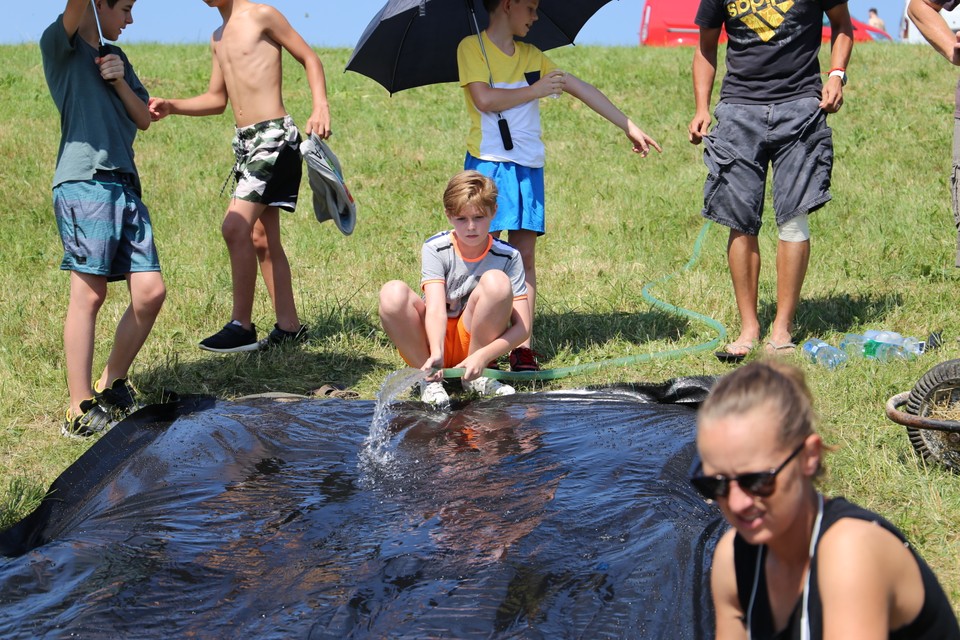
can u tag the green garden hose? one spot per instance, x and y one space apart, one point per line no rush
589 367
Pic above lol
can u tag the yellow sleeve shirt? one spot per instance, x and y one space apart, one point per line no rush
527 65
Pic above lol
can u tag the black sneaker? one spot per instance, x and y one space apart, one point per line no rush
233 338
119 399
524 359
281 337
93 420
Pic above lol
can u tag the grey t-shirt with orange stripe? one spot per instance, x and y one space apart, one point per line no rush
441 261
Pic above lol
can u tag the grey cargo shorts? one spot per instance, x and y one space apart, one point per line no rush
792 137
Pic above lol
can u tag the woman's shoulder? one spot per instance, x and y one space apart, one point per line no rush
847 525
862 550
867 572
849 516
724 547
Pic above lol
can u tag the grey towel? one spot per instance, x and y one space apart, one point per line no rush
331 197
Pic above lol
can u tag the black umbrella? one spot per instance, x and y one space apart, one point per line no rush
411 43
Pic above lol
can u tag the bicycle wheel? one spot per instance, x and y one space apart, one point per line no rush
937 390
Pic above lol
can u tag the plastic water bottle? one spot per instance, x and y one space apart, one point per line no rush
823 354
874 345
883 351
853 345
906 348
913 347
859 346
891 337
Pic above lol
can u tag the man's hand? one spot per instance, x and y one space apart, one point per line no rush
832 95
698 127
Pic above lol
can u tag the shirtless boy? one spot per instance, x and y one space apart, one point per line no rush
247 70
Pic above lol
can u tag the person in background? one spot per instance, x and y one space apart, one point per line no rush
797 564
926 15
772 112
875 21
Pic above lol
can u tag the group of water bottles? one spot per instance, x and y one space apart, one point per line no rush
874 345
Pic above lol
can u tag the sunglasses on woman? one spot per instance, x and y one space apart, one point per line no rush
760 483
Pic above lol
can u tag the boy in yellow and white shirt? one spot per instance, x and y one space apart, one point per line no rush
502 81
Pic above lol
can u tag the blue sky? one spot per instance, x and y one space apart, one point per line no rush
331 23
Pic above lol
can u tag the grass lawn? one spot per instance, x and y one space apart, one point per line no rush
882 256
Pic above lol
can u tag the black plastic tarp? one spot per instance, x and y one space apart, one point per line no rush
550 515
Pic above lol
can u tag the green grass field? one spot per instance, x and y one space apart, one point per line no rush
883 253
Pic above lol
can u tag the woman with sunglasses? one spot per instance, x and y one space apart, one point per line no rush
796 564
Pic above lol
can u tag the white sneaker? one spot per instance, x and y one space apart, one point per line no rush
487 387
434 393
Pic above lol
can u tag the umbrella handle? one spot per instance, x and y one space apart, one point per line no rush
473 13
96 16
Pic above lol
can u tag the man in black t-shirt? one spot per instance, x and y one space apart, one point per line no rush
926 15
772 111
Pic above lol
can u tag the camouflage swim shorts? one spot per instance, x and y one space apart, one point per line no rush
269 165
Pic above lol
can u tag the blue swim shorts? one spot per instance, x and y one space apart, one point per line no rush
104 226
520 199
792 136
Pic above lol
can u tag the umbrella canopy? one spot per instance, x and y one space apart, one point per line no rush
411 43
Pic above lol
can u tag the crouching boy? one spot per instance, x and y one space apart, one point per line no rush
473 308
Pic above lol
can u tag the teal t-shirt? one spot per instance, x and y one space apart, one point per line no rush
96 134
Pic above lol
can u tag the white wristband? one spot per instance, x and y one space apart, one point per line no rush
840 73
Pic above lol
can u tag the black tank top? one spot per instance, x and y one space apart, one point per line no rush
936 620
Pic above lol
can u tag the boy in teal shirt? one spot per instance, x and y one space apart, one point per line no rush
104 226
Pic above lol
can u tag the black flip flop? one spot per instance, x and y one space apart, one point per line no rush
727 357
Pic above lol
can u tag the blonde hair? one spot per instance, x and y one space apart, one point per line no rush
470 188
775 385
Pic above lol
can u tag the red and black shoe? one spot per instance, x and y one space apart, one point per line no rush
524 359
